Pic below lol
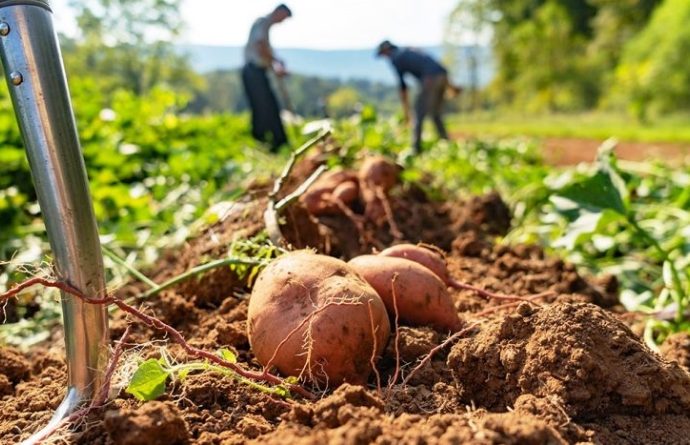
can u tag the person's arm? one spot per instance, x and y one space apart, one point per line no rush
265 51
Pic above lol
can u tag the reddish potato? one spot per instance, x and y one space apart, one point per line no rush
377 176
346 192
426 256
422 298
317 198
319 309
378 171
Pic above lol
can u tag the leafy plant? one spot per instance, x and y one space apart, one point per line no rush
150 379
624 221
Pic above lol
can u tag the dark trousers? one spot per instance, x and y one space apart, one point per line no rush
430 102
266 123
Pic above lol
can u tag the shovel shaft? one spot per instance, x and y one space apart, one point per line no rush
34 71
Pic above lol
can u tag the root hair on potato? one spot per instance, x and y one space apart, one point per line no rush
372 360
396 345
388 211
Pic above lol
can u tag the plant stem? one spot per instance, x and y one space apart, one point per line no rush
197 270
299 191
680 295
278 184
134 272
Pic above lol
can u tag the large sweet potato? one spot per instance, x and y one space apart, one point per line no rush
422 298
317 313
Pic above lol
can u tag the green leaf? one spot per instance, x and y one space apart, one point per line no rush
228 355
595 193
148 382
584 227
579 230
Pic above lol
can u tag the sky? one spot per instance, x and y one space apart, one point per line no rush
316 24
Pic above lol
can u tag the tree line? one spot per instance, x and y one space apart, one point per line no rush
567 55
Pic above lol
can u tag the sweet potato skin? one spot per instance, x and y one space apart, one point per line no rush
427 257
377 176
338 183
346 192
378 171
336 344
422 298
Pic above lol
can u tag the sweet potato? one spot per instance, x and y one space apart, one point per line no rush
339 183
309 315
346 192
422 298
426 256
378 171
377 175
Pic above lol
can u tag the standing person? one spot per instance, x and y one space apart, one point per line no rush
433 79
258 59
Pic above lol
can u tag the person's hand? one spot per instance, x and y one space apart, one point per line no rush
279 68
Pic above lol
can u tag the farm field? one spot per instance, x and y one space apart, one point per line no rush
270 245
571 324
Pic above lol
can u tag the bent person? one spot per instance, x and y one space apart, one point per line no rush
258 59
433 79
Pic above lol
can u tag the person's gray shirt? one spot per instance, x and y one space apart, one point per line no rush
415 62
258 33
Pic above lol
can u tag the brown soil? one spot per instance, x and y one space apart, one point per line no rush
572 151
566 371
677 348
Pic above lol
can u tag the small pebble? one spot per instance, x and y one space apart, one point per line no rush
525 309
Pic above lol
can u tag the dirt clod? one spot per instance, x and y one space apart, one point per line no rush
154 423
13 365
677 348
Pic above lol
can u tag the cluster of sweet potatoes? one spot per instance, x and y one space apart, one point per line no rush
327 321
338 190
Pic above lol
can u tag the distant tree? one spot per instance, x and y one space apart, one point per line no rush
343 101
654 74
469 23
615 24
127 44
553 54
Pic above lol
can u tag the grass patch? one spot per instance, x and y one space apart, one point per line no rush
672 129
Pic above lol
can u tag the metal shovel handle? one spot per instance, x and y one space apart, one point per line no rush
36 78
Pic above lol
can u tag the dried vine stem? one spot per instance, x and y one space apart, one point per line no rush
157 324
272 210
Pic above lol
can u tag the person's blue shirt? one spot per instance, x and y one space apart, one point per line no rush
415 62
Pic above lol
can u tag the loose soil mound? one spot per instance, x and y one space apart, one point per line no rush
677 348
565 372
575 354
